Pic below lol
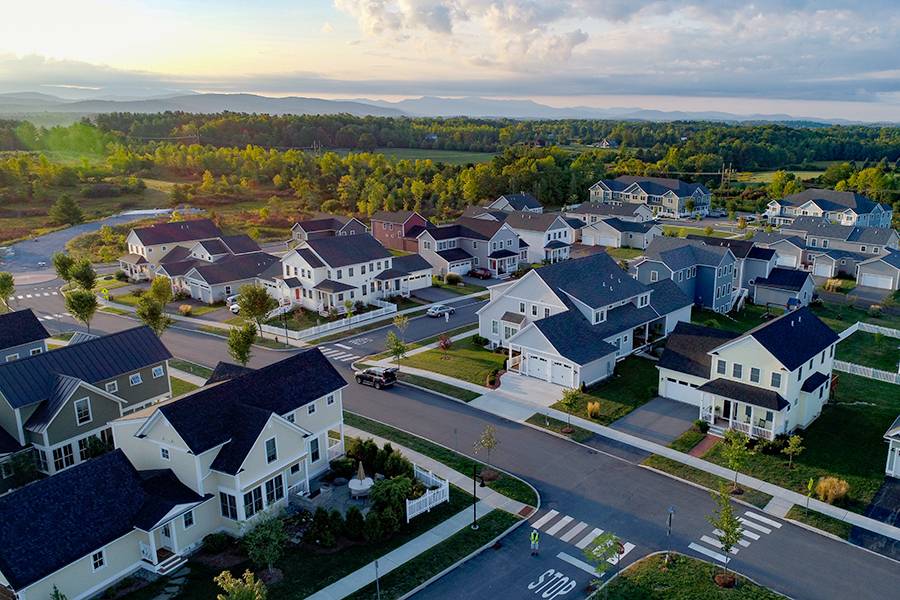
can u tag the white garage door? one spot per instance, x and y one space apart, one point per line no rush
537 367
461 269
195 291
822 269
561 374
606 240
785 260
877 281
679 391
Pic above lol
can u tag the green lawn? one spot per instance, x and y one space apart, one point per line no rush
681 231
197 310
749 317
633 384
766 176
115 311
842 316
300 319
462 289
439 386
432 339
870 350
687 440
624 253
819 521
556 426
181 387
190 367
684 578
464 361
845 441
127 299
509 486
431 562
707 480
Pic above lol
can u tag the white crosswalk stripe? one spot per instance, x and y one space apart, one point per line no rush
28 295
744 543
750 534
46 293
568 529
343 346
545 519
559 525
763 519
752 525
573 532
583 543
715 543
707 552
20 297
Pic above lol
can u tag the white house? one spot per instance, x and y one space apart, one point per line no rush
568 323
521 202
892 437
471 242
882 272
841 208
215 281
666 197
591 212
618 233
549 236
147 245
767 381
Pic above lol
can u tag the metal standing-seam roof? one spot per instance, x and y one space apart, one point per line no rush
178 231
346 250
20 327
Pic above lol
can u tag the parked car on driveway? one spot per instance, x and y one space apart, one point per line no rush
480 273
439 310
377 377
231 300
235 308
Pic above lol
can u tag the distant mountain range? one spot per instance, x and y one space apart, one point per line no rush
26 103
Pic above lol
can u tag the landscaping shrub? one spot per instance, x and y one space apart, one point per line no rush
354 524
337 522
186 309
359 306
137 293
121 275
831 489
593 409
365 451
492 377
452 279
391 494
391 520
772 447
320 531
701 425
381 458
372 530
343 467
875 310
480 341
397 465
214 543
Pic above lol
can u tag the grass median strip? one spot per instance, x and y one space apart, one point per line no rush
180 387
507 485
555 425
190 367
707 480
433 561
439 387
819 521
431 340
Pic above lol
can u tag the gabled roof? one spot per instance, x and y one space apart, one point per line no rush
893 431
225 371
50 523
345 250
759 253
179 268
176 254
740 248
555 244
214 246
482 212
32 379
807 334
47 411
240 244
630 226
333 223
235 267
504 253
133 259
398 216
454 255
520 201
178 231
820 226
831 200
679 253
688 346
479 229
656 186
20 327
769 238
627 209
234 411
757 396
838 254
784 279
530 221
595 280
892 258
333 287
410 263
574 223
309 256
81 336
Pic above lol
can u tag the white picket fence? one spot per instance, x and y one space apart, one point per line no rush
867 372
869 328
387 309
432 497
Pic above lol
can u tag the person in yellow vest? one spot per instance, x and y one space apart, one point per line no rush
535 539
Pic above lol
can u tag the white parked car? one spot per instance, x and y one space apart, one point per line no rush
439 310
231 300
235 308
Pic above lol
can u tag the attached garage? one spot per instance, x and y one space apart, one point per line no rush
537 366
876 281
562 374
823 268
786 260
461 268
881 272
670 387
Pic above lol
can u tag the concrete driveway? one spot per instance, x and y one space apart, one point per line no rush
435 294
661 420
885 507
868 295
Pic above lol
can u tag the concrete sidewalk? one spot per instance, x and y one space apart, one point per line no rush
488 500
185 376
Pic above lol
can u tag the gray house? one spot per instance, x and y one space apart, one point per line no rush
790 250
818 232
882 272
470 243
706 274
56 401
331 226
752 261
790 288
214 281
21 335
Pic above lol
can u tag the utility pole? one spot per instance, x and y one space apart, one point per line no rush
474 497
671 513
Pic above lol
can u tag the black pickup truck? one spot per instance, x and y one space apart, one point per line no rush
377 377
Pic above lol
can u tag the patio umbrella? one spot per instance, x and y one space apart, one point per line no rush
361 474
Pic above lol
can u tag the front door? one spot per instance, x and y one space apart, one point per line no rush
726 409
165 536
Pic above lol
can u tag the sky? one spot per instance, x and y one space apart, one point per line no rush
819 58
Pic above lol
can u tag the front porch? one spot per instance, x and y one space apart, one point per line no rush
556 251
161 552
503 263
648 333
723 414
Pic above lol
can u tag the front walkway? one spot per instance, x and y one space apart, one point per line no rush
488 500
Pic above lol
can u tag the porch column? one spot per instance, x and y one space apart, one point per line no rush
172 529
152 536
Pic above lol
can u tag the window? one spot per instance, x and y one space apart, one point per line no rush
737 370
720 367
98 560
43 465
654 275
228 505
164 453
82 411
314 454
350 271
83 448
522 307
546 312
329 399
6 470
63 457
158 372
188 519
35 351
112 387
339 274
12 357
295 468
754 374
495 327
534 310
311 408
135 379
274 490
289 417
253 502
680 276
271 451
776 380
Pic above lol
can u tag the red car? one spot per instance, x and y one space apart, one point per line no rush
480 273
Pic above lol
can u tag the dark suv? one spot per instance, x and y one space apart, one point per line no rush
377 377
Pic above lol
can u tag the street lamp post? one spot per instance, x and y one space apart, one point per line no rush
474 497
671 513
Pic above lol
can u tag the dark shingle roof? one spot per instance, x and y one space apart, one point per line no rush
831 200
658 186
769 238
627 209
32 379
345 250
225 371
820 226
740 248
808 336
595 280
784 279
678 253
573 337
687 347
176 254
309 256
333 287
178 231
410 263
532 221
454 255
20 327
503 253
667 297
554 244
234 411
511 317
240 244
813 382
398 216
236 267
36 519
41 418
324 224
481 211
483 229
520 201
736 390
630 226
892 258
761 253
214 246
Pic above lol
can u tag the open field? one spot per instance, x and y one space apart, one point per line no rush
451 157
766 176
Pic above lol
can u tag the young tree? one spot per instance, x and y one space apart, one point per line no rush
55 594
569 400
793 448
152 314
348 308
395 346
602 553
736 451
7 289
401 322
24 469
445 343
161 290
245 588
488 442
62 263
240 342
82 273
265 542
256 303
65 211
82 304
726 523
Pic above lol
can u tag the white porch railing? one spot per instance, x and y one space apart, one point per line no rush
432 497
867 372
335 449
